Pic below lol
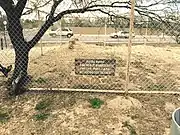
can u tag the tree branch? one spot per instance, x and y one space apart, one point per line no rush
53 19
30 9
85 9
149 13
7 5
40 33
120 2
20 7
150 5
53 9
43 5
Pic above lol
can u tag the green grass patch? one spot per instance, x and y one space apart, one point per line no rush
41 116
85 86
4 116
96 103
43 105
157 87
41 80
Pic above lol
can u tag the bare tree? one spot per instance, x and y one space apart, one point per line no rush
15 9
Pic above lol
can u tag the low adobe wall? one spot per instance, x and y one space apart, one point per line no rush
101 30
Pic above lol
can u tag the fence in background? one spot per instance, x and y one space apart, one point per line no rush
147 57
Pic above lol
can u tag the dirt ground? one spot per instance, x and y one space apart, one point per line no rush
70 113
152 67
7 56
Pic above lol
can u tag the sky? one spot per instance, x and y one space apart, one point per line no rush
66 4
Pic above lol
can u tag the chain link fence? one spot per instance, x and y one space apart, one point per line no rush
91 52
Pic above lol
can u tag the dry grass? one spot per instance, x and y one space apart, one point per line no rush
152 68
72 114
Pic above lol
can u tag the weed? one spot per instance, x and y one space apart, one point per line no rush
4 117
122 75
41 80
92 86
85 86
131 128
137 64
96 103
42 105
41 116
150 70
156 87
120 62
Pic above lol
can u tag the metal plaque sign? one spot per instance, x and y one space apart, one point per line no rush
95 66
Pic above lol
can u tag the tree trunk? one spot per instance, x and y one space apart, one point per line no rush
21 63
21 66
22 49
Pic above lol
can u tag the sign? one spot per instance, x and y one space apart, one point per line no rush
95 66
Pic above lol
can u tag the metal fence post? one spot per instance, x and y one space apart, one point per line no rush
105 33
41 45
146 32
60 33
131 29
5 29
1 44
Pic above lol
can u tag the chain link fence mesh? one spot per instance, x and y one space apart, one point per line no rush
155 56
